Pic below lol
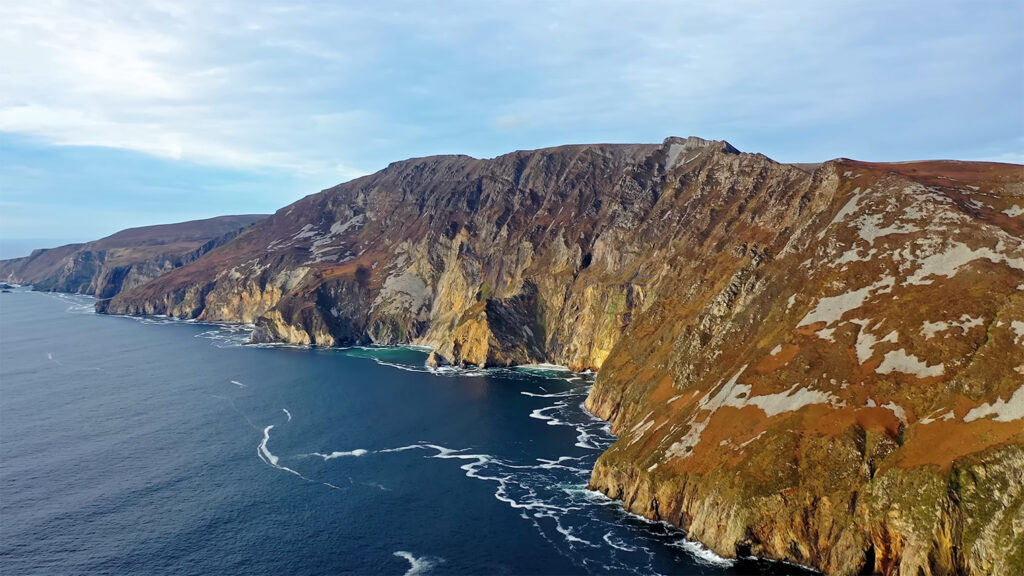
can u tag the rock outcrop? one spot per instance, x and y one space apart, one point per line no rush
822 364
124 260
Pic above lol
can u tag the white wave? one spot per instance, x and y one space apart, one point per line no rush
223 335
546 371
539 414
585 438
443 452
617 544
702 554
470 372
226 335
49 356
405 367
381 361
546 464
418 347
277 345
78 303
287 413
416 565
564 515
695 549
542 367
402 448
563 394
550 493
475 469
569 535
239 384
354 453
264 452
271 460
384 348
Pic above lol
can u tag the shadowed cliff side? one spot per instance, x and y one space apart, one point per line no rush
821 364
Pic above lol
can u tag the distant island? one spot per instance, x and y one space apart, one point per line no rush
815 363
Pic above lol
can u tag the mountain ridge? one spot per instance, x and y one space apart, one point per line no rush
125 259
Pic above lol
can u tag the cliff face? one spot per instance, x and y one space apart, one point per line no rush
124 260
849 395
541 256
819 366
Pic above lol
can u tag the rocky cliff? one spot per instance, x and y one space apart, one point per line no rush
849 396
123 260
821 364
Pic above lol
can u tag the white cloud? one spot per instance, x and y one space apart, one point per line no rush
328 91
171 80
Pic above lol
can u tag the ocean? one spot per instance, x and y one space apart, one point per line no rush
155 446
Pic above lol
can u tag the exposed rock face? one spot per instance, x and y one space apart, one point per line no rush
456 251
124 260
840 396
822 364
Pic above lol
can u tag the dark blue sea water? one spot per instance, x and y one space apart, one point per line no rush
149 446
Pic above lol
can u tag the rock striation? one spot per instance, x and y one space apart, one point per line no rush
123 260
822 364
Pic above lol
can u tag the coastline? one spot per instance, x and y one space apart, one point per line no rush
693 547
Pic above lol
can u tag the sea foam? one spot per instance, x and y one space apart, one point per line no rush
416 565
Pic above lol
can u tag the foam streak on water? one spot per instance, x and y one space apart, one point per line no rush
551 493
271 460
417 566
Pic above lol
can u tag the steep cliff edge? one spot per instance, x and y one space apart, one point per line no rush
124 260
537 256
821 364
851 396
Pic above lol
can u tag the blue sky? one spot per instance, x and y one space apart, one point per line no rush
126 113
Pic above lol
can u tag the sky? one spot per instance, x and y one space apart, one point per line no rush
126 113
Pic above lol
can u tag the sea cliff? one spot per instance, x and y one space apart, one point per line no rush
124 260
819 364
